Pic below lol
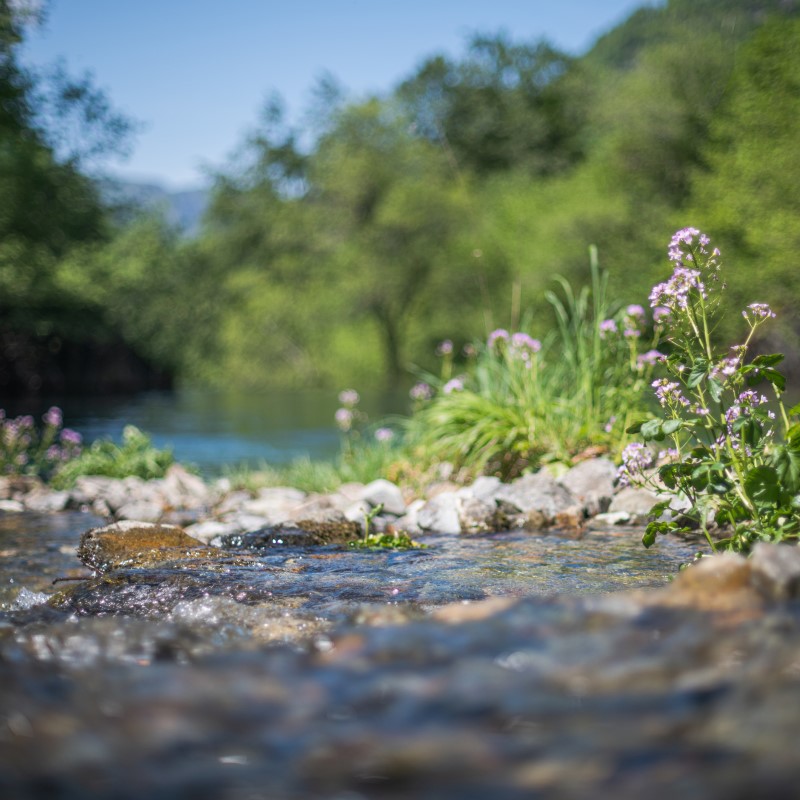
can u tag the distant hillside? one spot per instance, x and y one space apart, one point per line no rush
182 209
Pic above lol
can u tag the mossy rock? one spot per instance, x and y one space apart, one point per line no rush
138 544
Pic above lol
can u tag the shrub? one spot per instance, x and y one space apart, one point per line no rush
522 402
136 456
723 452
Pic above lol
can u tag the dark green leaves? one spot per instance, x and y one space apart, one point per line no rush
762 486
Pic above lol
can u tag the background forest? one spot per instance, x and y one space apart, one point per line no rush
343 252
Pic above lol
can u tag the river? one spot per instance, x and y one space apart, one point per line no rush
213 429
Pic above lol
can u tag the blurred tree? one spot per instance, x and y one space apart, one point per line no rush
747 193
503 106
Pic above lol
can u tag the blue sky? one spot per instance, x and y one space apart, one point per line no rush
195 73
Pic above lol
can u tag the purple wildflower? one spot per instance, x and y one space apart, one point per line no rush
384 434
635 311
53 417
607 327
674 293
344 418
496 335
660 313
636 458
668 393
421 391
758 311
453 385
650 357
521 341
444 348
349 398
68 436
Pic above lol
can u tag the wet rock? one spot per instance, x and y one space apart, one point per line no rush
209 529
633 501
385 493
134 543
591 482
775 570
541 498
303 533
11 506
441 514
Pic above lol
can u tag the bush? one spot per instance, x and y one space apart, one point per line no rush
136 456
523 402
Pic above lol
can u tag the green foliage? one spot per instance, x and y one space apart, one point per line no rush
725 458
523 402
418 215
136 456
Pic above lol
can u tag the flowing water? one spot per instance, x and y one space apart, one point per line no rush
503 666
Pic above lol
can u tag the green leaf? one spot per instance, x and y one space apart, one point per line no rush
672 425
637 426
754 376
652 429
715 389
762 486
698 372
768 360
658 509
794 411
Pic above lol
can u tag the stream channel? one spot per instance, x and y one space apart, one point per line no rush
511 665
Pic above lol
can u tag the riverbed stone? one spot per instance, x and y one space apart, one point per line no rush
440 514
46 501
591 482
275 503
775 570
385 493
541 499
485 488
208 529
634 501
183 490
141 509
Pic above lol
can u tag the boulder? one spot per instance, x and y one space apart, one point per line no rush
542 500
440 514
591 482
182 489
45 501
633 501
385 493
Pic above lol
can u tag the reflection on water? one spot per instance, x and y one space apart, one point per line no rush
211 429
